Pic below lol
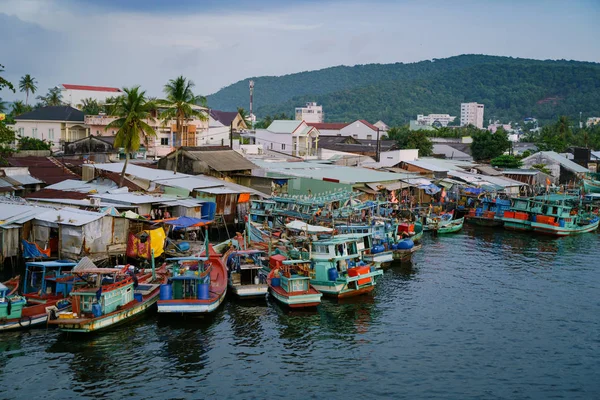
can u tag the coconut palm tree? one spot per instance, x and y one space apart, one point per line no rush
52 98
132 110
18 108
27 84
180 105
89 106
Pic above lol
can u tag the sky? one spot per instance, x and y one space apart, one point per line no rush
218 42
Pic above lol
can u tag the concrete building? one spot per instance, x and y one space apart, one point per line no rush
435 119
73 95
220 127
290 137
471 114
383 127
56 124
359 129
592 121
310 113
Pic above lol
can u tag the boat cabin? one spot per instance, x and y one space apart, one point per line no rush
106 291
190 277
295 276
262 211
48 278
244 266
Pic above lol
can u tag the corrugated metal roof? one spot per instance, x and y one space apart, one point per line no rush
222 160
565 162
132 198
283 126
221 190
25 179
69 216
190 182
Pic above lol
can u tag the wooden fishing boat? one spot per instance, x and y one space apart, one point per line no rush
489 213
591 186
16 314
48 280
198 285
111 296
290 285
12 284
337 268
454 226
435 222
243 268
518 217
563 215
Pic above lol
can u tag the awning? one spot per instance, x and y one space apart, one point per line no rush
186 222
304 227
430 189
387 186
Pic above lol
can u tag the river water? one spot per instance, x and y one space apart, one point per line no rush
481 314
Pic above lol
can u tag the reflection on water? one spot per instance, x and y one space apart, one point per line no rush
479 314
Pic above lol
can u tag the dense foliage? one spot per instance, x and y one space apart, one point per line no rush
506 161
487 145
510 89
407 139
29 143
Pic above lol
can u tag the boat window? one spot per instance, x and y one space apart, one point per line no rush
320 248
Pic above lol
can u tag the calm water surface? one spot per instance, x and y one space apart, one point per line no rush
481 314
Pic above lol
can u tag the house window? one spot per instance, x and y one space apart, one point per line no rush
51 133
97 133
355 136
282 146
164 141
271 145
21 131
34 133
369 137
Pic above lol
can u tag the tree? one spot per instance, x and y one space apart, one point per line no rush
244 115
506 161
180 106
396 132
18 108
542 168
52 98
4 83
487 145
27 84
89 106
415 140
3 106
132 110
264 123
29 143
556 137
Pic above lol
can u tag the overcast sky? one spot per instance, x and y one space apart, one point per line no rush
216 43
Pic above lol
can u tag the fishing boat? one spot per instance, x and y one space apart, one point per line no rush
12 284
243 268
48 280
563 216
198 285
592 185
454 226
518 216
16 314
490 212
434 222
110 297
337 268
289 284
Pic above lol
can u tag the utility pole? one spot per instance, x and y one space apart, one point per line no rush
231 135
378 148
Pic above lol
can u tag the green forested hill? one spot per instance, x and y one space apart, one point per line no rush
510 88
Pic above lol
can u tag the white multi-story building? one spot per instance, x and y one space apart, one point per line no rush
311 113
435 119
471 114
359 129
290 137
73 95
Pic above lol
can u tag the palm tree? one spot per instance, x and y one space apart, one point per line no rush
89 106
27 84
53 98
4 82
179 106
132 110
19 108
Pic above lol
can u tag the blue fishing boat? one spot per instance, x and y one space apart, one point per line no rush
488 212
47 280
110 297
289 283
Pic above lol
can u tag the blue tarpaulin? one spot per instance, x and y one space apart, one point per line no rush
473 191
186 222
30 250
430 189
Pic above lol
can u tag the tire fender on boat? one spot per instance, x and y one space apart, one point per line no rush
22 319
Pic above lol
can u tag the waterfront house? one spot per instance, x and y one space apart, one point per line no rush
290 137
56 124
561 168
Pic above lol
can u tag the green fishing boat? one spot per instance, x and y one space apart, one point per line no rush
453 226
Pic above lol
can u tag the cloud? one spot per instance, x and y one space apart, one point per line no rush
123 43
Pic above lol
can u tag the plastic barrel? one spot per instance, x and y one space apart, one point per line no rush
208 210
332 274
184 246
166 292
561 223
405 244
275 282
96 310
138 297
203 291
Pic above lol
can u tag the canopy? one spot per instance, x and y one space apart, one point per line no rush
186 222
304 227
430 189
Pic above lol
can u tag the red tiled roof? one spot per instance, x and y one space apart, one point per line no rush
44 169
96 88
367 123
56 194
116 178
334 126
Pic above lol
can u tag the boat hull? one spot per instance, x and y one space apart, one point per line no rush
33 316
563 231
591 186
347 287
190 306
249 291
296 300
513 224
483 221
129 312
